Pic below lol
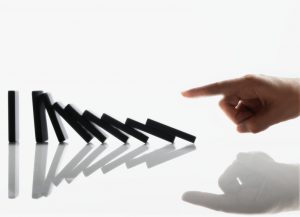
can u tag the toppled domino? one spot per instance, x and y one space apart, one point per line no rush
151 130
106 126
171 130
73 123
54 118
13 116
85 123
127 129
39 114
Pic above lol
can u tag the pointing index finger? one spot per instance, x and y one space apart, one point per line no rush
222 87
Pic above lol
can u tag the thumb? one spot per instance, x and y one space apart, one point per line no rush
211 201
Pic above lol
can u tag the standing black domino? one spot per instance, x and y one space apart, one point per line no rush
39 114
151 130
13 116
85 123
106 126
73 123
171 130
127 129
54 118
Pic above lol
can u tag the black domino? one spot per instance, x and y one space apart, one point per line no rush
150 130
39 114
54 118
106 126
85 123
171 130
127 129
73 123
13 116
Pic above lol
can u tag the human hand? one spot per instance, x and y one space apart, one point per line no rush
255 102
254 183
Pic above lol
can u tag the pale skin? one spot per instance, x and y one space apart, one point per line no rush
255 102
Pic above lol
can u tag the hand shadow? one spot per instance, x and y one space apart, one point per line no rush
254 183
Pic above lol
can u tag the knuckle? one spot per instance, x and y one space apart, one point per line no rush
221 103
250 77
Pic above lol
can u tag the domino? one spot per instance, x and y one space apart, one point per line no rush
127 129
13 116
150 130
86 124
73 123
106 126
171 130
39 114
54 118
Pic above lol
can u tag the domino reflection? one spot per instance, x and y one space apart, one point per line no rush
85 161
13 170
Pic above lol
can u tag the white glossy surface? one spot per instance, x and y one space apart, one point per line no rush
132 59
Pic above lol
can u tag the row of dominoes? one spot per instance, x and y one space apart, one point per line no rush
86 124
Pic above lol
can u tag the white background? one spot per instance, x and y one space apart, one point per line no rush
132 59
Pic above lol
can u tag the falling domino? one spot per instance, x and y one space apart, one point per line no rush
127 129
54 118
106 126
151 130
85 123
75 125
171 130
